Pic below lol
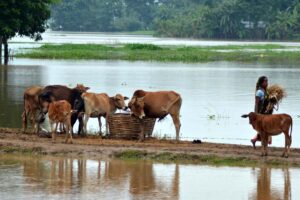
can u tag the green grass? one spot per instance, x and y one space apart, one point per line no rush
149 52
167 157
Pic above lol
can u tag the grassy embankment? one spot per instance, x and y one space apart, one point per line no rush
163 157
148 52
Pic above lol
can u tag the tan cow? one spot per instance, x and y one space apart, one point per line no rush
271 125
101 105
156 105
60 112
32 109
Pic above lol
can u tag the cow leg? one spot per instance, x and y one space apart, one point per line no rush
53 130
100 125
286 151
106 124
24 121
73 120
264 141
142 127
284 154
85 121
177 124
69 130
67 126
36 127
80 126
289 144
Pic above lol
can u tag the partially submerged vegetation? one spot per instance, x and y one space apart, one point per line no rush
149 52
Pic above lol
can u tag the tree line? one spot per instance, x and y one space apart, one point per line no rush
219 19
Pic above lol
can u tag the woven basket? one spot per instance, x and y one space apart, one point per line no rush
122 125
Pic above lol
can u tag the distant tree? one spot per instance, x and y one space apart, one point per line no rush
23 18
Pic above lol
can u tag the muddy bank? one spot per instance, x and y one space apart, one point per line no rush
93 147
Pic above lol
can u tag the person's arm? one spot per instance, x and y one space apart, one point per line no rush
258 96
256 104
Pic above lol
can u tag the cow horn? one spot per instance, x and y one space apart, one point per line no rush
245 116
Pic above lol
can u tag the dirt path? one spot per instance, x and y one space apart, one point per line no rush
94 147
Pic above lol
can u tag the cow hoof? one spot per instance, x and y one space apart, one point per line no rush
140 140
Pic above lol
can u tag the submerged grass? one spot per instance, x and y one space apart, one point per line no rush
147 52
197 159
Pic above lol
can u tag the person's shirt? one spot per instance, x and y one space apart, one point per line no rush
260 93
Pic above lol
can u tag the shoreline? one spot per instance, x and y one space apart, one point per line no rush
93 147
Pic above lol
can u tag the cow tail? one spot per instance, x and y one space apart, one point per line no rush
24 115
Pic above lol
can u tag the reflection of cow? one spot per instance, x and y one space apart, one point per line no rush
60 92
60 112
270 125
100 105
156 105
32 109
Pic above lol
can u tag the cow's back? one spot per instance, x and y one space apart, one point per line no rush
31 96
59 92
59 110
276 123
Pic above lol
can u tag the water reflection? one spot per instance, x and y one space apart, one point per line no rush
54 177
266 191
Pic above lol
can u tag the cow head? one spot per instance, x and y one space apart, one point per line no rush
44 100
136 106
78 105
119 101
81 88
252 117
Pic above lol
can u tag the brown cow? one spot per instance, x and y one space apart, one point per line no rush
101 105
271 125
60 112
32 109
156 105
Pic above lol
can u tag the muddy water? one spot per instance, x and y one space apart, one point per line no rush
215 94
55 178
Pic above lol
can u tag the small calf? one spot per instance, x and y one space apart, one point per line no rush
60 112
270 125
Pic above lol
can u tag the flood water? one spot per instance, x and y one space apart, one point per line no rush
121 38
214 94
24 177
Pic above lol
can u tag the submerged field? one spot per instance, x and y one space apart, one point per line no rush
149 52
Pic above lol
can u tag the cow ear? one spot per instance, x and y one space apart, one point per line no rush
245 116
126 98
